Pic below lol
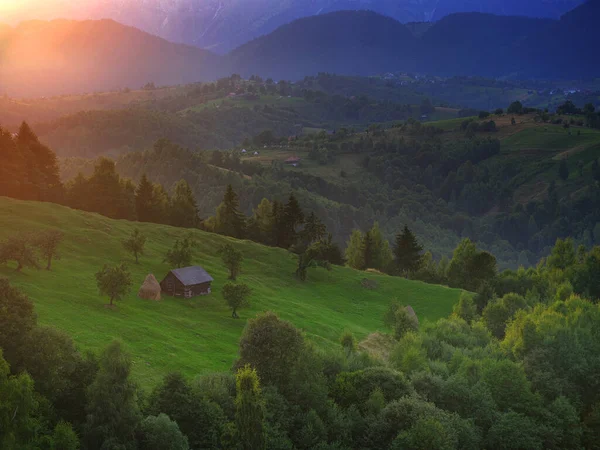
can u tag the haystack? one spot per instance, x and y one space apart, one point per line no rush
150 290
412 314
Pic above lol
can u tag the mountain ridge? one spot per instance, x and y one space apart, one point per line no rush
222 25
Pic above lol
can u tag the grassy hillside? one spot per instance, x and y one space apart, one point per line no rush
197 335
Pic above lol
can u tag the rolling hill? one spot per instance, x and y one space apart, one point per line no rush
198 335
48 58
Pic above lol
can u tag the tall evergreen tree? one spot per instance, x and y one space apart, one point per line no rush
144 200
278 229
184 209
112 414
230 221
261 222
41 167
293 217
314 230
12 169
407 252
105 192
249 410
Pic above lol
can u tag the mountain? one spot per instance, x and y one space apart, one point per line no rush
567 49
352 42
46 58
475 43
469 44
221 25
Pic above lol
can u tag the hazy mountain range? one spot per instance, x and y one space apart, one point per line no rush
61 56
222 25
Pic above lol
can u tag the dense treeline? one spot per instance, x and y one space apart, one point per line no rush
515 366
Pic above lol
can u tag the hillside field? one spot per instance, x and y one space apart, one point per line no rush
197 335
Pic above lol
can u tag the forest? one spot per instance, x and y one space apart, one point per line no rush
515 366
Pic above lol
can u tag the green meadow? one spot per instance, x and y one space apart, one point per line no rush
195 335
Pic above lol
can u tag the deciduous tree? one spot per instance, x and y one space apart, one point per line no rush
114 282
21 249
236 296
249 410
181 253
135 243
48 243
232 258
112 412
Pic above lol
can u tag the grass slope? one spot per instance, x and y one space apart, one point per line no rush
197 335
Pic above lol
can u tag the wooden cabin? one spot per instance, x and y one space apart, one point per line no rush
187 282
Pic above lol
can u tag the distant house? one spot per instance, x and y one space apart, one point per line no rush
293 160
187 282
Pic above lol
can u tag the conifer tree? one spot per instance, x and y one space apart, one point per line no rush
229 220
293 217
105 192
12 169
314 230
41 166
407 252
184 209
144 200
278 230
368 249
249 410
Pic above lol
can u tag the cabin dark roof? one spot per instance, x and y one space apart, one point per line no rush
190 276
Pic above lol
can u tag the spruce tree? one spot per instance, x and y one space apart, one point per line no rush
229 220
144 200
407 252
249 410
278 230
184 209
293 217
368 249
314 230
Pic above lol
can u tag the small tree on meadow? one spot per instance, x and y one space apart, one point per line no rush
181 253
236 296
48 243
135 243
114 282
21 249
232 258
